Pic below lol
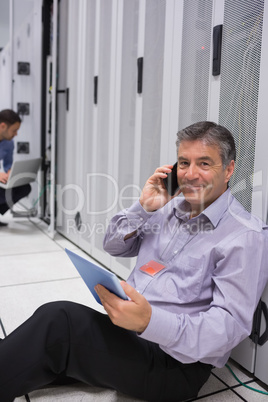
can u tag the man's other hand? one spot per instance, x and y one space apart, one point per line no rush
3 177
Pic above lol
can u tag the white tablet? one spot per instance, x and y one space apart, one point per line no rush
93 275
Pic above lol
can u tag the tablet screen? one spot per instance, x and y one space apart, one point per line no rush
93 275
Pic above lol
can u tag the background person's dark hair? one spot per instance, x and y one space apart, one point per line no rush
9 117
210 134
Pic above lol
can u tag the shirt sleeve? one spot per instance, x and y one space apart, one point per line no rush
239 280
8 155
123 223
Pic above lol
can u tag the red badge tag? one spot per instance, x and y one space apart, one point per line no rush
152 267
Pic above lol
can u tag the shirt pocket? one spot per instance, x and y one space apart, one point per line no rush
186 278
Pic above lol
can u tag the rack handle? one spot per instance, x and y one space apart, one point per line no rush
95 96
67 93
140 74
217 44
264 337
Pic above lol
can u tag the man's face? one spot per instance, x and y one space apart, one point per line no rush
9 132
200 173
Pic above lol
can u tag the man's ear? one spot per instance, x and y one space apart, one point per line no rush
229 170
3 126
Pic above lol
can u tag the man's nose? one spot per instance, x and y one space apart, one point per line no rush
192 172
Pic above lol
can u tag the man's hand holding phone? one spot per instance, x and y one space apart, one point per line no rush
154 194
171 181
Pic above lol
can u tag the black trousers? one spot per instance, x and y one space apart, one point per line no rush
65 339
9 197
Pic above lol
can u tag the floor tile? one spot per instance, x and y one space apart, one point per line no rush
253 396
17 303
20 237
225 375
227 396
212 385
75 393
30 268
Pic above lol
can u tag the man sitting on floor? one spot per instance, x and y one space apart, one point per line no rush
200 272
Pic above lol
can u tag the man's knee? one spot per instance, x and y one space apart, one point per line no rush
51 323
60 311
15 194
54 310
25 190
28 189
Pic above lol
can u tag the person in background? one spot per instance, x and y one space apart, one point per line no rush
191 296
10 123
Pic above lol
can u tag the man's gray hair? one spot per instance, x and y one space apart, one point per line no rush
210 134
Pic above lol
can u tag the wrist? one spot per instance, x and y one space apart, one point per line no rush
146 320
146 207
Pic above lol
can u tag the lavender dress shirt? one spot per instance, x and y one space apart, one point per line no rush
216 269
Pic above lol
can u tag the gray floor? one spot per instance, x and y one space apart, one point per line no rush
34 269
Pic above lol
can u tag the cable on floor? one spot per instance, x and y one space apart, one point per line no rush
245 385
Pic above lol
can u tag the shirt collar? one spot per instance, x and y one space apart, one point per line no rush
217 209
213 212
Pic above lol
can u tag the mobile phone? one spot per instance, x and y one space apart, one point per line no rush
171 181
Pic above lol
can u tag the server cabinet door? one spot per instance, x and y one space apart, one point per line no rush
195 62
260 186
139 99
100 183
239 111
128 51
239 93
69 137
5 77
26 55
244 354
89 105
61 150
148 151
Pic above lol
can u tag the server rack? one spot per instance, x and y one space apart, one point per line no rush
20 74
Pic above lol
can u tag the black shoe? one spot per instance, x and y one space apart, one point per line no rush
2 224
